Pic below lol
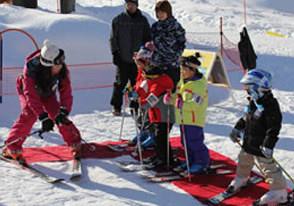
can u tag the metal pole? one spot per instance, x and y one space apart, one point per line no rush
245 20
221 36
185 143
138 146
1 66
286 173
21 138
123 118
167 141
91 147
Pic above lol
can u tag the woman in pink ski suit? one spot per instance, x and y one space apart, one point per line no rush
44 74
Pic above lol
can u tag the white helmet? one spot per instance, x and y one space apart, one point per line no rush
257 82
262 79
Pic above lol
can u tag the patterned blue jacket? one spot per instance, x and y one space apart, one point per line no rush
169 39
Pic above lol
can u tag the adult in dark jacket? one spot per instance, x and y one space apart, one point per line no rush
129 31
261 128
45 73
169 39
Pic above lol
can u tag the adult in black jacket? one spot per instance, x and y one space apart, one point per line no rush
129 31
261 126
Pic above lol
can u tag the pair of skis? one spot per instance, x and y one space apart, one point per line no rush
217 199
158 177
164 176
131 148
75 176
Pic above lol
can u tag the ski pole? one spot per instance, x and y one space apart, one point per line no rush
91 147
123 118
21 138
167 142
185 143
286 173
138 146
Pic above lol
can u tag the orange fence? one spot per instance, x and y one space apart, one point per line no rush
101 75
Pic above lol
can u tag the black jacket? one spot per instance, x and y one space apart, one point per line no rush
263 130
128 34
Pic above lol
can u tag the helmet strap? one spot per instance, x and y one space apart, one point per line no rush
259 109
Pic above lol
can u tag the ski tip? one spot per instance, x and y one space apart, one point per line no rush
56 180
75 178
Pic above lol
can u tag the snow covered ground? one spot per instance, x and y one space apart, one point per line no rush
84 36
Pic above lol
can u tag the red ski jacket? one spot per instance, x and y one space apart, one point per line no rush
37 84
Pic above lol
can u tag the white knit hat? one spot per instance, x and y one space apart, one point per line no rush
49 52
145 52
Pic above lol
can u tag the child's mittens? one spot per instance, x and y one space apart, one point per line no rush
167 98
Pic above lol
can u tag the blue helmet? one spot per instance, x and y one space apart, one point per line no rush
262 80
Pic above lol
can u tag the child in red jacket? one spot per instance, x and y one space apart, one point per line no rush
151 90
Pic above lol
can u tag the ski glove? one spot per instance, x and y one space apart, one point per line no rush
235 135
61 117
131 93
167 98
116 58
47 123
267 152
128 88
179 102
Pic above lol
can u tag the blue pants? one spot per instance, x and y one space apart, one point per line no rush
198 153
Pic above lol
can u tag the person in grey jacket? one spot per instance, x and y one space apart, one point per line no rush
129 31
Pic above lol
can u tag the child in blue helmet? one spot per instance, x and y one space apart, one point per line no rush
261 126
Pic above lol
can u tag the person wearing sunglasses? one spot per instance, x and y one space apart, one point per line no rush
45 73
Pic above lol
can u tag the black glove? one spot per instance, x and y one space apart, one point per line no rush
61 117
47 123
116 58
134 106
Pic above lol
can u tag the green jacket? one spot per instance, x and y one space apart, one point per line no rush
194 94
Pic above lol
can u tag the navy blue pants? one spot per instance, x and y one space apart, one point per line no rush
198 153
